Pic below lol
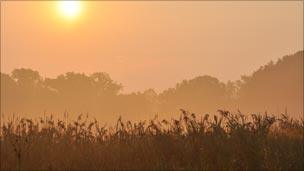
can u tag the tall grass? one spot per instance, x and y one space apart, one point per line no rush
225 141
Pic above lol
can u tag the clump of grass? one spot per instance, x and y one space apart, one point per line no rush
229 141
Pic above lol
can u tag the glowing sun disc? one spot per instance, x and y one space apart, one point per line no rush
69 9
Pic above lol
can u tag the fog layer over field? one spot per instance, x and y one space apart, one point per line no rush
276 87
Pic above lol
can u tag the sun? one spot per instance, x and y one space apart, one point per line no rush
69 9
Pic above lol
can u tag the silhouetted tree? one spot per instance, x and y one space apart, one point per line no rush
26 77
201 93
274 87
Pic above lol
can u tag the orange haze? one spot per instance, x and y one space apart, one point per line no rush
138 59
150 44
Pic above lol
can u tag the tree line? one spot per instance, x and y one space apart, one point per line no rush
274 87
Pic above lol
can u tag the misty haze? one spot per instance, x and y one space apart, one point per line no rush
173 85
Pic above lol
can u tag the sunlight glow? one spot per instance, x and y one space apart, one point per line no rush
69 9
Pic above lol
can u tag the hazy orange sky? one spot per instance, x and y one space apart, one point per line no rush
150 44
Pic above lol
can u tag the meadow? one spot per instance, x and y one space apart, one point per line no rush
224 141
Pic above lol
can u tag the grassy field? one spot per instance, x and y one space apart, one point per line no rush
224 141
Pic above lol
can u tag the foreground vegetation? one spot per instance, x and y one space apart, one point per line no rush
224 141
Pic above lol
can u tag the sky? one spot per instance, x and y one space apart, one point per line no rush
150 44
